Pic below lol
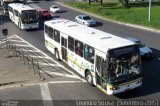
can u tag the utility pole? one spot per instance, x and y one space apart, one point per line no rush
149 12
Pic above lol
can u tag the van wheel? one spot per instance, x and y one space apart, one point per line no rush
57 55
89 78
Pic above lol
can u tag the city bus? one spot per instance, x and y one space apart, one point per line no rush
25 17
111 63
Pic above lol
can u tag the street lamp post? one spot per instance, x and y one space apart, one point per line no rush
149 12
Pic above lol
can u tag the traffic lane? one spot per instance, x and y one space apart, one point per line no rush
36 38
83 91
31 92
22 96
76 91
149 37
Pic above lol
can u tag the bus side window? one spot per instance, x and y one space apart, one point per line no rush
50 32
79 48
46 29
57 36
16 13
71 43
89 53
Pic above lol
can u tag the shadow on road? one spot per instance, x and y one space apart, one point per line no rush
99 24
4 19
62 11
151 75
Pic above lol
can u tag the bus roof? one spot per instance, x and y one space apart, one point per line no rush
93 37
7 0
20 7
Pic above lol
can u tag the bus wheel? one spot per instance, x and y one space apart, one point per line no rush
19 24
89 78
57 54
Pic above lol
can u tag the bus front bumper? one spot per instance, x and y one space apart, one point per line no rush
32 26
124 88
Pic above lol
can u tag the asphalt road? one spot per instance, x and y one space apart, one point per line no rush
151 68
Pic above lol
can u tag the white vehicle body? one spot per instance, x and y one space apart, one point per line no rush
145 51
90 51
54 8
85 20
25 17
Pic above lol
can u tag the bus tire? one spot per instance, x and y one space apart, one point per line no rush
89 78
19 24
57 55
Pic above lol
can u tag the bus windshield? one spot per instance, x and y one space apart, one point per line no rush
29 16
124 64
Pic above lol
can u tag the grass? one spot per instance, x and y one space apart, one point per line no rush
136 14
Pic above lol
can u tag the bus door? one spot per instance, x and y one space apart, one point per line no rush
100 71
16 17
64 48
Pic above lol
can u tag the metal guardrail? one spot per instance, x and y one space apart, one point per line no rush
32 63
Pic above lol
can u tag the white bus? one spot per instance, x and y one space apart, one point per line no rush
25 17
111 63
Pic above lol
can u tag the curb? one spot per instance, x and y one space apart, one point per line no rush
110 20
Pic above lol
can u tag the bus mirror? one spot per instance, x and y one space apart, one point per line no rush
5 32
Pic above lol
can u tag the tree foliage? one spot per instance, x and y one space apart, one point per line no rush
125 3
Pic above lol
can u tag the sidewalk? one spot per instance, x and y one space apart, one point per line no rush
13 71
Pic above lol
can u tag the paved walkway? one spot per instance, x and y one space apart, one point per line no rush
12 70
26 66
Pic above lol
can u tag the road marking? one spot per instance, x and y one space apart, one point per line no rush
49 64
62 82
15 40
38 57
47 56
3 46
13 36
22 45
2 42
47 100
63 74
25 50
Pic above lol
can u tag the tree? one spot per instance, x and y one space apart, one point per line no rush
125 3
101 1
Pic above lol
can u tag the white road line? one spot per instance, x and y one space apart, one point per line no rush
2 42
63 75
41 57
48 56
22 45
15 40
49 64
47 100
29 50
3 46
13 36
62 82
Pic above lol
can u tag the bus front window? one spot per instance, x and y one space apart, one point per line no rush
29 17
124 65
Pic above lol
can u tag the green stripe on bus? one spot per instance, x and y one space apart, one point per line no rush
76 63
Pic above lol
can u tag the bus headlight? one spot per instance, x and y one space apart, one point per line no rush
114 88
139 81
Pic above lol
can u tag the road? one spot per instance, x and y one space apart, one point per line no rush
82 91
